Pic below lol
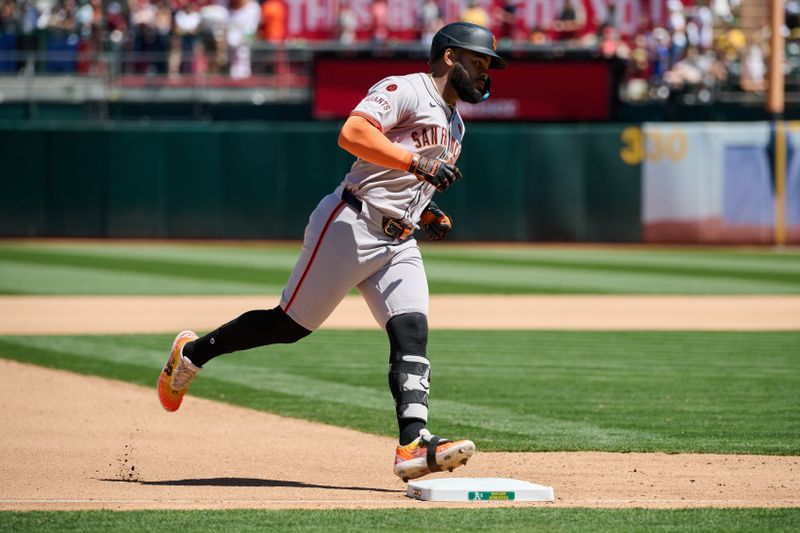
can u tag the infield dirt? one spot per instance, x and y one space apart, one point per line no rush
79 442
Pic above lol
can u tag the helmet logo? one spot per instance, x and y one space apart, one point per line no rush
494 43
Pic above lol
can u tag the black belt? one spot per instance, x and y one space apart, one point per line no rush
390 226
351 200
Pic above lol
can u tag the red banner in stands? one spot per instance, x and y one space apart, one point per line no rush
320 19
527 90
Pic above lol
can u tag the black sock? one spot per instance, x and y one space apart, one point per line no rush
253 328
409 429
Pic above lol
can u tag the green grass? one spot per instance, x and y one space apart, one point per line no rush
723 392
179 268
497 519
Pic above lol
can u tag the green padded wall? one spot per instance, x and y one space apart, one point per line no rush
23 174
77 192
137 200
522 182
490 201
613 188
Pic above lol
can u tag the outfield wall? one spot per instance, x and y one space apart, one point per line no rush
721 182
260 181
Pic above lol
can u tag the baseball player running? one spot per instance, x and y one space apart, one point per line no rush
406 134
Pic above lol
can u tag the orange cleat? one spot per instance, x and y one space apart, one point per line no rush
429 453
177 374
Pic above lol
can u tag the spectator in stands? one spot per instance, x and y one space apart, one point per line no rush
601 18
722 10
346 24
94 39
659 46
637 75
63 16
571 22
511 24
272 29
476 14
731 41
430 21
612 44
84 16
538 36
9 35
273 21
380 26
185 39
116 22
143 21
9 20
703 20
792 18
213 33
697 73
163 29
9 23
244 18
27 40
754 68
686 72
62 40
44 9
676 25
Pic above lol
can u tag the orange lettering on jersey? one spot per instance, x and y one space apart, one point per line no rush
435 135
454 147
415 138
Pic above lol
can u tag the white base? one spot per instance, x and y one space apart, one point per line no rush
462 489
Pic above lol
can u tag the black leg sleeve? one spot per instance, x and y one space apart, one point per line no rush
409 372
252 329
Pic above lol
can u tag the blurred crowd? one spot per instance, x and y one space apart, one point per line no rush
157 36
702 49
698 45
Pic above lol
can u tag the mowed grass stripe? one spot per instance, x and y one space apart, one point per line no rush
518 390
466 277
510 519
734 267
222 254
150 266
27 279
221 269
785 259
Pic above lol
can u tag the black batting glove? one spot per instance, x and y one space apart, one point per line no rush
435 171
436 223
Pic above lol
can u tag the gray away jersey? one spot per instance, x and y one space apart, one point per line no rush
410 112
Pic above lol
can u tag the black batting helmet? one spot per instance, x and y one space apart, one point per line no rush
468 36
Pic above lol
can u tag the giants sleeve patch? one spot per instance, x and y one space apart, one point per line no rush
378 100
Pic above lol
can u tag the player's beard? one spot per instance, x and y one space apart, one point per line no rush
464 85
